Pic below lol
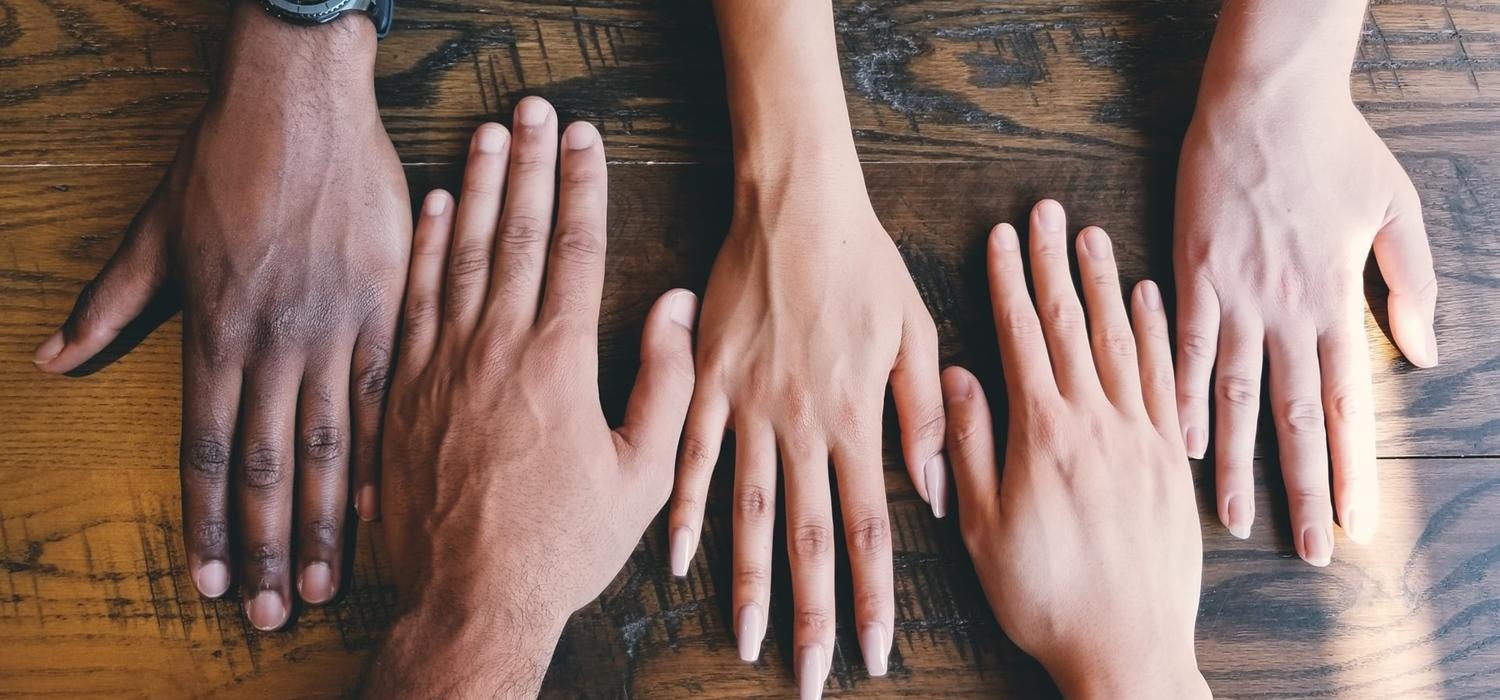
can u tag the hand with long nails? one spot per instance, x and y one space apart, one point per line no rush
1282 192
1087 542
509 501
290 275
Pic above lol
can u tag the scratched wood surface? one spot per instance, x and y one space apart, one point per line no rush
965 113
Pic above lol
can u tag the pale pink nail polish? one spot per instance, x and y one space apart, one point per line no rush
751 631
212 578
682 552
316 583
876 646
267 612
936 476
811 672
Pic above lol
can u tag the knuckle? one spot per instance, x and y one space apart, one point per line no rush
323 445
270 558
811 540
522 231
265 467
1017 324
750 577
578 243
421 313
374 379
968 438
210 533
469 261
1238 392
208 457
1347 403
870 534
1063 316
815 621
1197 345
1302 417
931 424
322 531
1044 427
1117 342
753 504
697 454
583 177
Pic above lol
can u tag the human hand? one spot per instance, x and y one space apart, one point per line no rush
509 501
285 223
809 313
1088 548
1283 190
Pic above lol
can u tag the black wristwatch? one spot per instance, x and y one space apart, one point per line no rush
321 11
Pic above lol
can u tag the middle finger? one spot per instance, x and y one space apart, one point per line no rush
264 468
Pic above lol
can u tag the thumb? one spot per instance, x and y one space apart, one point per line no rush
1405 261
663 388
111 300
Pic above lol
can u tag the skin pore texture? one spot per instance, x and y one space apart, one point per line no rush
290 274
1088 548
806 268
1282 192
510 503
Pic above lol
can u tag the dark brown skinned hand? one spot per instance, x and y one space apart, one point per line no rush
285 223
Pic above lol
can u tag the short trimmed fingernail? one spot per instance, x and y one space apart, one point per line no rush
1005 237
811 672
1195 441
1359 529
1317 545
875 644
751 631
936 476
684 309
212 578
580 135
435 204
50 348
1150 295
1096 242
266 611
316 583
532 111
1049 214
1237 516
364 504
489 139
681 552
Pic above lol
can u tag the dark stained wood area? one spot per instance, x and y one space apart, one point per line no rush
965 113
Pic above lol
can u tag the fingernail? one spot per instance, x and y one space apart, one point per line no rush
681 552
364 504
876 646
212 578
316 583
435 204
580 135
489 138
1358 529
810 672
1317 545
1195 441
50 348
751 631
532 112
1096 242
266 611
1150 295
1050 214
1237 516
1005 237
936 475
1430 347
684 311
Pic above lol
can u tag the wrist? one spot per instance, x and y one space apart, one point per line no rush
1146 673
1282 50
268 60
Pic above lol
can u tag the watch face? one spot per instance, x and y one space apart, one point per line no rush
311 8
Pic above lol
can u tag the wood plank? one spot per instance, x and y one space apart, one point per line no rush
94 597
107 82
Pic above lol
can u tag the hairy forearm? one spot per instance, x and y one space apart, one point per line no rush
1283 46
271 62
786 97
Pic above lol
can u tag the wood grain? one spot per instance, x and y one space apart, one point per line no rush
965 112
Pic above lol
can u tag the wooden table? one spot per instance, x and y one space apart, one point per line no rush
966 112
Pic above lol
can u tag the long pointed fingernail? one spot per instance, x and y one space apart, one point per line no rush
681 545
752 630
875 644
212 578
811 673
50 348
267 612
1317 545
1196 442
1236 516
364 503
316 583
936 476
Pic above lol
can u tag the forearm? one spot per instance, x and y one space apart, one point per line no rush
786 97
443 646
283 67
1283 46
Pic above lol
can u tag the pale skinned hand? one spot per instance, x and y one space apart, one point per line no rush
1088 548
1280 199
285 223
809 314
510 503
